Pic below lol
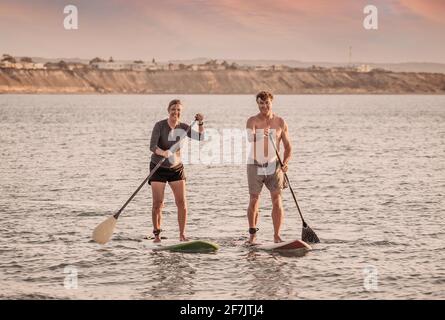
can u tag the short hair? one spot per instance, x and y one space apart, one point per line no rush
173 102
264 95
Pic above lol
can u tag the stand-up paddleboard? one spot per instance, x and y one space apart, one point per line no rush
293 245
188 246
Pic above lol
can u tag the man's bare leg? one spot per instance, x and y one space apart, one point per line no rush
277 215
252 215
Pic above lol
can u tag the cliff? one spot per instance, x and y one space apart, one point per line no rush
302 81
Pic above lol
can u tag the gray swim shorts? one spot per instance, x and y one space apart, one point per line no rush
271 175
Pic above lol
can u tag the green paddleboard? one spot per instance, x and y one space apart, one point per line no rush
189 246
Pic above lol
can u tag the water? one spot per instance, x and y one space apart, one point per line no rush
368 171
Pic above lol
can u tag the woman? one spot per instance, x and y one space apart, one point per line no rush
163 145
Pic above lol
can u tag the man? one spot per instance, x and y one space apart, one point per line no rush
263 166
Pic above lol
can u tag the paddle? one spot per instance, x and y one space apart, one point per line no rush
307 234
103 232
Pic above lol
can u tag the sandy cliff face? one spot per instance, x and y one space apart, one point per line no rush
220 82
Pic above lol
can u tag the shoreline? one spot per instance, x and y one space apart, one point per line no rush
217 94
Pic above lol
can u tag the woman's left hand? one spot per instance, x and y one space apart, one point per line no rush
199 117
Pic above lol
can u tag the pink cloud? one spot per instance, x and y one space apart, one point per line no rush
432 9
297 29
22 12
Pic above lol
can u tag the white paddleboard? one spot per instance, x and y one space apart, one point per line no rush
292 245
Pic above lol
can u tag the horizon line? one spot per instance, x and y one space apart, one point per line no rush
232 59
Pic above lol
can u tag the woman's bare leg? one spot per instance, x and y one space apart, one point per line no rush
157 191
178 188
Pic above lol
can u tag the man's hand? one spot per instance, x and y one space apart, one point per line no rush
284 167
199 117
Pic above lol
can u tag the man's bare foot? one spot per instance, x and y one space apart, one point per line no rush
183 238
252 235
277 239
157 239
252 239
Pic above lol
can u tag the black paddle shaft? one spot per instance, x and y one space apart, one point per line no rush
288 182
116 215
172 149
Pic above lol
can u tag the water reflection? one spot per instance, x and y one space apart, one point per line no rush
171 275
270 273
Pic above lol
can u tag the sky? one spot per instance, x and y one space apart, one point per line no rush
304 30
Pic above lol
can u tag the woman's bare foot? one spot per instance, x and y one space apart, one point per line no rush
277 239
183 238
157 239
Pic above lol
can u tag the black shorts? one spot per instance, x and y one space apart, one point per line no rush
167 174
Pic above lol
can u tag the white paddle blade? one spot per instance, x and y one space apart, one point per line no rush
103 232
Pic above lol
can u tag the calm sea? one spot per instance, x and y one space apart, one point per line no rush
368 171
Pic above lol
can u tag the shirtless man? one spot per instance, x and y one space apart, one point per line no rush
263 166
